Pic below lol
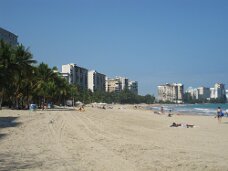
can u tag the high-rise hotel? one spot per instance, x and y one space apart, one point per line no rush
171 92
75 75
119 84
96 81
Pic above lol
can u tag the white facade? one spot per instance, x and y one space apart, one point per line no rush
76 75
96 81
8 37
199 93
123 82
218 91
171 92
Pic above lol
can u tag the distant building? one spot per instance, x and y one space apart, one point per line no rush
119 84
96 81
203 93
171 92
212 93
8 37
218 91
113 85
133 87
193 92
75 75
227 94
123 82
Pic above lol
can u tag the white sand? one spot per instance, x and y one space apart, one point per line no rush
114 139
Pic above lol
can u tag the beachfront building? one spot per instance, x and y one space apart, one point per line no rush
113 85
226 94
171 92
212 93
123 82
200 93
133 87
8 37
193 92
218 91
75 75
119 84
96 81
204 93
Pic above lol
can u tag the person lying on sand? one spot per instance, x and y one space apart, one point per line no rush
181 124
82 109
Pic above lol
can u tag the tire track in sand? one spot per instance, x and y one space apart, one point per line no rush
96 148
57 130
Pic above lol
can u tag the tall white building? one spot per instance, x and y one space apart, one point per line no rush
201 93
218 91
212 93
123 82
8 37
193 92
171 92
75 75
96 81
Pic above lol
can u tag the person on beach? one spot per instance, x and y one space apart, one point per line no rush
170 113
219 114
82 109
162 110
174 124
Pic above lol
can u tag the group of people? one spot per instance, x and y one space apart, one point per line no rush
174 124
219 115
162 111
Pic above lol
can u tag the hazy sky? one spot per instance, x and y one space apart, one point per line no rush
153 42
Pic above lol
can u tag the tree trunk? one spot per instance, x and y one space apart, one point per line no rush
1 99
17 103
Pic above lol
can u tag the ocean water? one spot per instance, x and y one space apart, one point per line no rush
200 109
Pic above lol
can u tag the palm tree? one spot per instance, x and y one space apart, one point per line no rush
5 68
23 68
44 77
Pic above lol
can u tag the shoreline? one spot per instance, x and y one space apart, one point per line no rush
196 110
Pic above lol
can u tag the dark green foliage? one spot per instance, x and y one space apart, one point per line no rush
123 97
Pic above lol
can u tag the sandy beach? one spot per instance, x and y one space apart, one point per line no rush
118 139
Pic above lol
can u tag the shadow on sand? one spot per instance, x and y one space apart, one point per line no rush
10 161
6 122
2 135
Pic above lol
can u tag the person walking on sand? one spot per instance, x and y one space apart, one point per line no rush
219 114
162 110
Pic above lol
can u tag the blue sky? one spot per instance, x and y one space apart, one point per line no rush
151 41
